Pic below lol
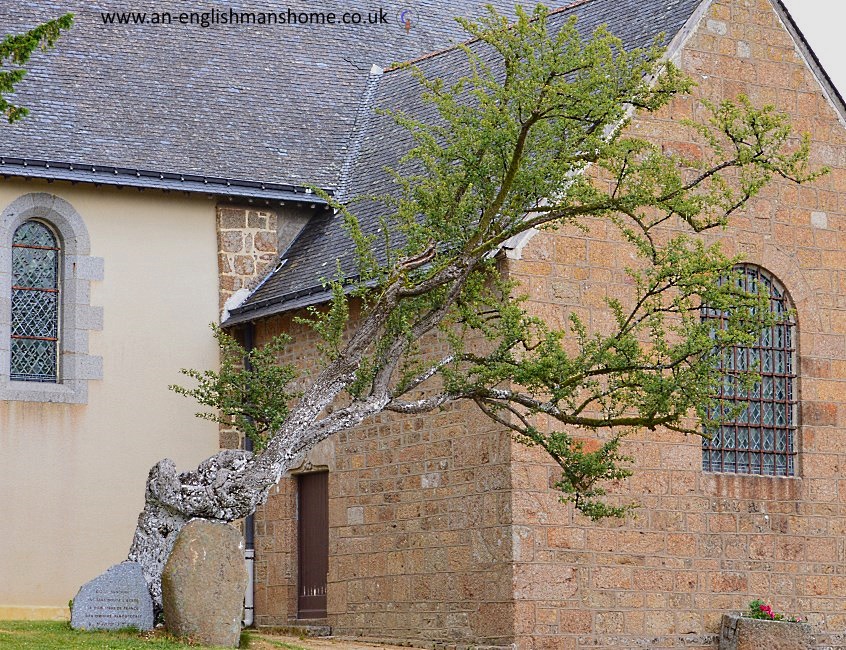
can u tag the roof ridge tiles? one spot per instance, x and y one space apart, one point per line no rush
362 119
444 50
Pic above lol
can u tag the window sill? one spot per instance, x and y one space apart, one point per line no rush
760 487
72 392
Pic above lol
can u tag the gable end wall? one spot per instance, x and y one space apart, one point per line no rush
704 543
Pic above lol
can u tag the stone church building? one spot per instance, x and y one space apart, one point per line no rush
437 530
440 528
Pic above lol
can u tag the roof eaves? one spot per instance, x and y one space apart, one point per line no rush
266 308
155 180
290 301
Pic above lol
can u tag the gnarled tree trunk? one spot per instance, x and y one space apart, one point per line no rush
231 484
221 489
228 486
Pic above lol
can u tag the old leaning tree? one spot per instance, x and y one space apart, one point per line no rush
533 136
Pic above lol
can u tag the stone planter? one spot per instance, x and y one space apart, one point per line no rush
740 633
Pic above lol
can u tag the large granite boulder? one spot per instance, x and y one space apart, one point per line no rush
203 584
740 633
116 599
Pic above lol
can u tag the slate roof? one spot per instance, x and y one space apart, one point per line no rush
265 103
311 257
258 111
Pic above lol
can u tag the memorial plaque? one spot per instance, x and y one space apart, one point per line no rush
116 599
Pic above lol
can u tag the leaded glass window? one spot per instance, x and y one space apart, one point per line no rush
759 439
35 304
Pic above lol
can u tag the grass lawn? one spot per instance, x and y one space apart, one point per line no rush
52 635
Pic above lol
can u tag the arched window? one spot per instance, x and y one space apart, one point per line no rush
34 348
760 438
46 273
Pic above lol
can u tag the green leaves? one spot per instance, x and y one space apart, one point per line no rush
330 323
254 399
533 135
521 126
16 50
582 472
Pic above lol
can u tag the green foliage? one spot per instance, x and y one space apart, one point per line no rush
16 49
254 399
758 609
533 136
583 470
329 324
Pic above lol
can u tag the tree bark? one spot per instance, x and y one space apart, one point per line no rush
231 484
222 488
228 486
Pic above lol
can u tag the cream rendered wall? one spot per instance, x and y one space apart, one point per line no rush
72 477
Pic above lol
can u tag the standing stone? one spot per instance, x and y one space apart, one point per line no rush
116 599
203 584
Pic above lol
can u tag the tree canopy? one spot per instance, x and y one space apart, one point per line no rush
534 137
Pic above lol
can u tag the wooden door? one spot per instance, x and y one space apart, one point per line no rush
313 544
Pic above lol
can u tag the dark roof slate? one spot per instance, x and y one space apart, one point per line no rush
312 256
260 102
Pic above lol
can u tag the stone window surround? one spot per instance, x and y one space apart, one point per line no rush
77 317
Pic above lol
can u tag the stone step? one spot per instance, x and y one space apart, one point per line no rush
301 628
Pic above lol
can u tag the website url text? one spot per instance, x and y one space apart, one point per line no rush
233 17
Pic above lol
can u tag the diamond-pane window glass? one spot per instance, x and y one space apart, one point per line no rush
35 304
760 439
